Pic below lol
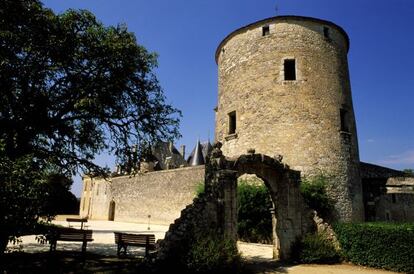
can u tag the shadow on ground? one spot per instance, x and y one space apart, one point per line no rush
264 266
76 262
68 262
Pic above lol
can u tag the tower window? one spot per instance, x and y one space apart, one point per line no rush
290 69
326 32
344 120
265 30
232 122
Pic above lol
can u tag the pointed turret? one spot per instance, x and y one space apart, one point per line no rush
197 159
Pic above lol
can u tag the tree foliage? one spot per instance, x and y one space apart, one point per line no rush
254 220
409 172
71 88
60 200
313 190
21 196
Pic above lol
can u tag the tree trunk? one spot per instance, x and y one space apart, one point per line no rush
4 240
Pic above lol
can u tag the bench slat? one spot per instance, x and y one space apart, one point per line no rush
70 235
123 240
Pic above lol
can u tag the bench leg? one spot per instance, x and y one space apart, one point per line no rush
146 251
118 251
120 247
53 246
84 246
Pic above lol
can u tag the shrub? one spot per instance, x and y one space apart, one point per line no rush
254 222
314 192
383 245
315 248
199 189
211 254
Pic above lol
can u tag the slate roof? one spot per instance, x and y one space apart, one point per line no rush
205 149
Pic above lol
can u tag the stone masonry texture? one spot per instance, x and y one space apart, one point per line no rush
298 119
161 194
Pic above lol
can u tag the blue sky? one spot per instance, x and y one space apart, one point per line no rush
185 34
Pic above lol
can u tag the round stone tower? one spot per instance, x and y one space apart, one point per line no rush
284 89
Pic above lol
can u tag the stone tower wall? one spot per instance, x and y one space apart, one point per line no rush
298 119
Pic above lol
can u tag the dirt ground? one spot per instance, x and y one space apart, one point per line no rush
102 254
275 268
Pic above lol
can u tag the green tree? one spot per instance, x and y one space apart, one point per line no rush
22 197
71 88
254 223
409 172
59 200
314 192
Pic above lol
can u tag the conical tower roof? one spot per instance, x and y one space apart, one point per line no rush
197 158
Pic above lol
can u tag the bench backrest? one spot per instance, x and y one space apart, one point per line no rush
138 239
85 220
73 234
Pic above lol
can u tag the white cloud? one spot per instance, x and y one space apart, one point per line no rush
406 157
370 140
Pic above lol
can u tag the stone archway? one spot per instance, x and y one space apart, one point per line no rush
291 217
216 210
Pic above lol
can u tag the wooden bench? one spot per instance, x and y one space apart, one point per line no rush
69 235
79 220
123 240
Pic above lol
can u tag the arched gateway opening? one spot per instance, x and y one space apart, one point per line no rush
216 210
254 210
291 219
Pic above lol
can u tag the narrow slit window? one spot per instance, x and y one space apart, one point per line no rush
265 30
232 122
344 120
290 69
326 32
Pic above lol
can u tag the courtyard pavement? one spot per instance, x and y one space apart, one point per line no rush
104 242
103 235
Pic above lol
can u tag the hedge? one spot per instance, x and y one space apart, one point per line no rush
382 245
254 223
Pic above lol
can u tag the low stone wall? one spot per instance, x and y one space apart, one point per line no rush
161 194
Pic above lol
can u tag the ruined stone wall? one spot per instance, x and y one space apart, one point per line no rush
298 119
161 194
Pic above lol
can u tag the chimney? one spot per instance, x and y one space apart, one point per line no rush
182 150
170 146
